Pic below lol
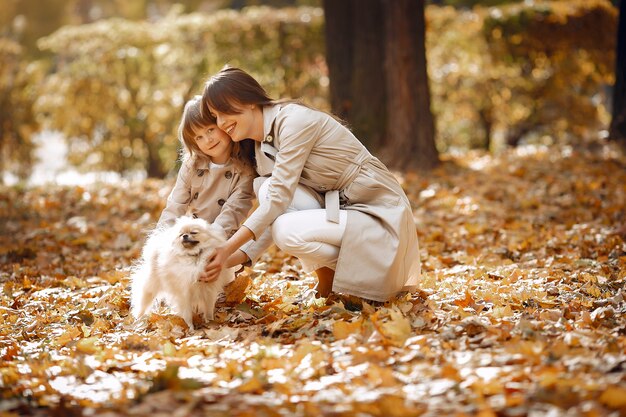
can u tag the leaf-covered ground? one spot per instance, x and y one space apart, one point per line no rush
520 311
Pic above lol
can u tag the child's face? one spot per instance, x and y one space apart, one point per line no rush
214 143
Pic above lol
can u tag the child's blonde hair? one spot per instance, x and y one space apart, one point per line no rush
193 120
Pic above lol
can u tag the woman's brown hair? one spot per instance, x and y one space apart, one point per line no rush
193 120
232 86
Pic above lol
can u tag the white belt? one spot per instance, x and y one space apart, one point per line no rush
331 198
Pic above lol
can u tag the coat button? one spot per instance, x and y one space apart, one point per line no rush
322 187
195 196
221 201
228 175
269 138
200 172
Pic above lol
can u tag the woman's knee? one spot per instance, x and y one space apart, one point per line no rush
285 235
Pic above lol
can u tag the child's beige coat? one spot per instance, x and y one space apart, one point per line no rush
217 194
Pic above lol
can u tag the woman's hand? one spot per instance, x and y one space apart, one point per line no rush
217 262
219 259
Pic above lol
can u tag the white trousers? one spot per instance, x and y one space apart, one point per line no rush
303 231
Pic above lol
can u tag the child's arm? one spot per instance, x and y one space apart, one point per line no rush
179 198
237 205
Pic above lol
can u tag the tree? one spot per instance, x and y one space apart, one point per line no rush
409 118
618 121
355 40
112 96
378 81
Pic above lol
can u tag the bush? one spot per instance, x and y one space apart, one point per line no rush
119 86
19 80
508 73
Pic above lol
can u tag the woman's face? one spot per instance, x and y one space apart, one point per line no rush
214 143
247 124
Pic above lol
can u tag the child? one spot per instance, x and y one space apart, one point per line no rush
215 179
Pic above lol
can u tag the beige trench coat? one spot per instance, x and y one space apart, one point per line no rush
379 254
217 194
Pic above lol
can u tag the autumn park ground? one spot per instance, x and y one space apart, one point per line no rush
520 310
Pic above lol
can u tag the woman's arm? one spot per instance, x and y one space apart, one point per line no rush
297 130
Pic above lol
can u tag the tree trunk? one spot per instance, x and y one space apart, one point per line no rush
368 113
339 53
355 56
410 125
618 121
376 60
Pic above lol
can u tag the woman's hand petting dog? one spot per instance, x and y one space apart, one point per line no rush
217 262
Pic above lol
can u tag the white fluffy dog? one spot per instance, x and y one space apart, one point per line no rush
171 261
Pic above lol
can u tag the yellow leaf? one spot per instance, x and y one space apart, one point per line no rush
169 349
381 377
614 397
71 333
236 290
87 345
467 301
395 328
475 228
593 290
342 329
81 240
85 330
303 350
114 276
251 385
501 312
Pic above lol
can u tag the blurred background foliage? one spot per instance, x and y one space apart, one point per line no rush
119 86
536 71
113 75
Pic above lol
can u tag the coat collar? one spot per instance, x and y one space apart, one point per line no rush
265 151
203 163
269 115
199 162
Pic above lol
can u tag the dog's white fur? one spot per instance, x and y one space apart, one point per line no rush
171 261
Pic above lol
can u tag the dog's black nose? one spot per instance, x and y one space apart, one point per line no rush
188 240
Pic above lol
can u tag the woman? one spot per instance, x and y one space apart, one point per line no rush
363 242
